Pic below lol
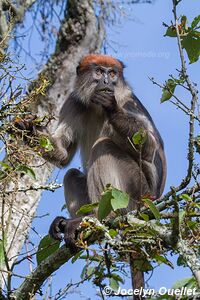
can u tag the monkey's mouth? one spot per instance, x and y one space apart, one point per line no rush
106 90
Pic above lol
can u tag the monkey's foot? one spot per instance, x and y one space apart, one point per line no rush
57 228
68 227
70 234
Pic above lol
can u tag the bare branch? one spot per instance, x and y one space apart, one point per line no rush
194 99
33 282
11 15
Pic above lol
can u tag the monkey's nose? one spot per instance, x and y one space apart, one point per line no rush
106 79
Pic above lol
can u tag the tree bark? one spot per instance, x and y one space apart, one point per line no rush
80 33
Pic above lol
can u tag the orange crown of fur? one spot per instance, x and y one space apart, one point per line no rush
99 59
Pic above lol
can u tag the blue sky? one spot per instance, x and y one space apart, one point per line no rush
140 44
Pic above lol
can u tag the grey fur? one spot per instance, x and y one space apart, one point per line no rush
106 153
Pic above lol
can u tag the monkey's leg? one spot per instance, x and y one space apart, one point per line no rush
110 164
75 189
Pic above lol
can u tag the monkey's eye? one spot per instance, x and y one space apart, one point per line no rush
98 72
112 73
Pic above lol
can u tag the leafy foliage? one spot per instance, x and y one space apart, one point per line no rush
190 37
152 207
46 247
26 170
139 137
112 199
46 144
168 90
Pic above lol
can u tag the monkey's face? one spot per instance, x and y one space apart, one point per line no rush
105 78
96 78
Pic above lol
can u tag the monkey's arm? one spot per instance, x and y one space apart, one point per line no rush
64 147
62 140
129 119
127 123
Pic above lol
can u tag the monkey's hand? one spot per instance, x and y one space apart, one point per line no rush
106 99
57 228
27 124
68 227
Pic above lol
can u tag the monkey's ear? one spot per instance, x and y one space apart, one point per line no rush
122 64
78 70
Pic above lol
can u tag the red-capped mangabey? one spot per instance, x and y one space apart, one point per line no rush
99 117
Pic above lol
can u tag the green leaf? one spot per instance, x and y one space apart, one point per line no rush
4 165
90 270
186 197
144 216
152 208
117 277
87 271
181 261
26 170
76 256
171 31
2 174
47 246
195 22
161 259
85 209
181 216
112 233
2 256
83 273
184 21
168 90
192 224
114 284
46 144
105 205
191 43
119 199
183 283
139 137
96 257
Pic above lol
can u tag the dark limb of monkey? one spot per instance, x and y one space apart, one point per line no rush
62 151
128 120
76 195
67 227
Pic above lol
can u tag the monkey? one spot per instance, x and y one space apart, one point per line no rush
100 117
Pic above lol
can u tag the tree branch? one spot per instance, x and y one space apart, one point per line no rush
190 258
33 282
10 16
194 98
81 33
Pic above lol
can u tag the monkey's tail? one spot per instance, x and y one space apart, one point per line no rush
137 277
